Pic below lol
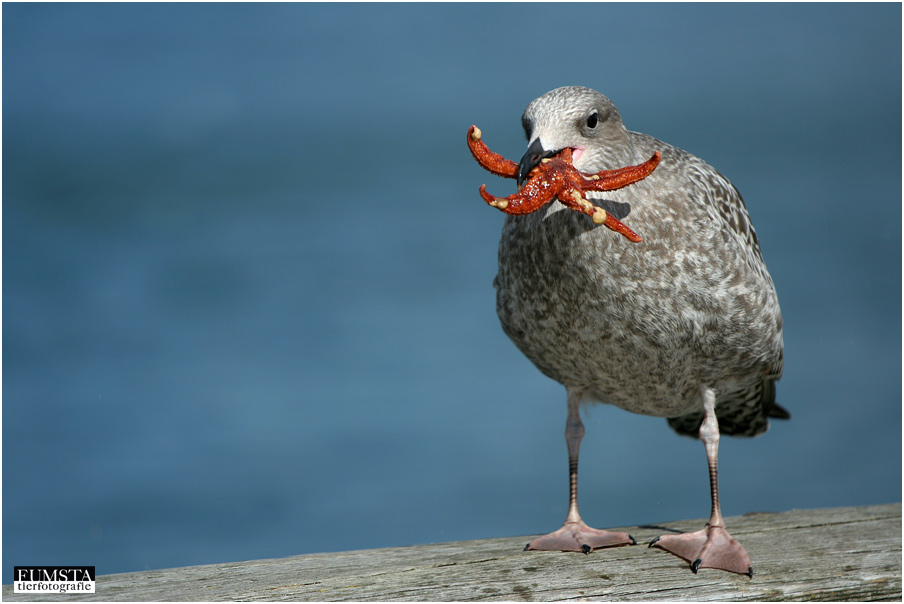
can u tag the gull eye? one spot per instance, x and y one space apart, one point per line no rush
592 120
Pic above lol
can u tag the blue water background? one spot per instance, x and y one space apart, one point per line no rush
247 301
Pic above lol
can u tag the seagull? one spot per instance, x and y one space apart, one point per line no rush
684 325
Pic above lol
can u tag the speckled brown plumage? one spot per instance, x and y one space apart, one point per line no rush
689 315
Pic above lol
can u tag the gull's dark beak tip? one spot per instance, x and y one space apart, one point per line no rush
531 158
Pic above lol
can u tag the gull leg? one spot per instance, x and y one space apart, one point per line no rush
713 546
575 536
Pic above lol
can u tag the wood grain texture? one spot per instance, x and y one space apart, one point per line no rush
835 554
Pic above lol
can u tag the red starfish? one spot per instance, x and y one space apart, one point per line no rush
557 177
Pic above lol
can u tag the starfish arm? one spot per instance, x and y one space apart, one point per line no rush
574 199
541 187
493 162
609 180
618 226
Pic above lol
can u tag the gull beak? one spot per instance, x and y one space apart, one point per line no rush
532 157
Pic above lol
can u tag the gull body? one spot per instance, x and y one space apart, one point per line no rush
685 325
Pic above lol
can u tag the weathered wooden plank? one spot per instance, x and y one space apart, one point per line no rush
824 554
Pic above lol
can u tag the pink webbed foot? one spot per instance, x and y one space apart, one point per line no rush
711 547
578 537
